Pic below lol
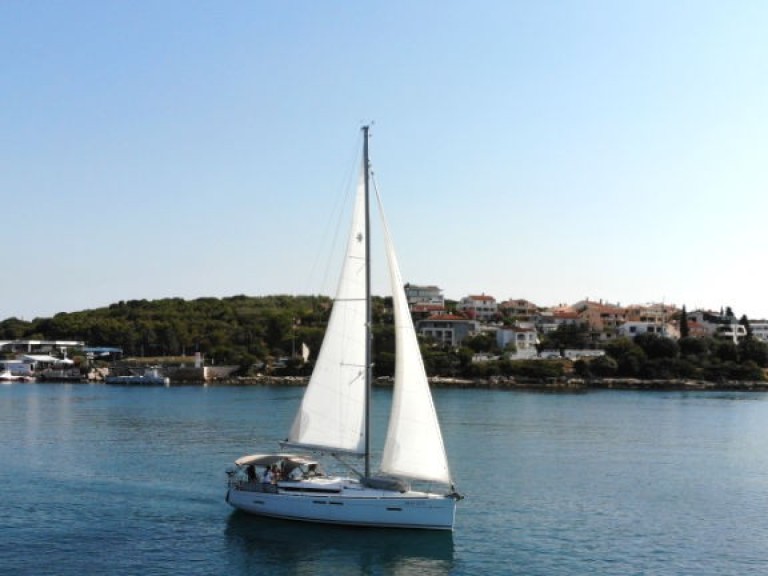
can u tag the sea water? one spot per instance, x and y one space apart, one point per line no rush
97 479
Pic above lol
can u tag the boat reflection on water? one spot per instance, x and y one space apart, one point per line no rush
285 547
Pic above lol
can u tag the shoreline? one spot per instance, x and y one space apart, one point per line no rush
508 383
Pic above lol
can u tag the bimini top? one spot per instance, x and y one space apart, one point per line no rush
269 459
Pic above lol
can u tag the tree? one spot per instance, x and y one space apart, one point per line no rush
482 342
567 336
685 330
656 346
744 321
619 347
725 351
752 350
628 355
510 348
604 366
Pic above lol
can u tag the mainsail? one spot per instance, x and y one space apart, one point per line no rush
414 445
332 412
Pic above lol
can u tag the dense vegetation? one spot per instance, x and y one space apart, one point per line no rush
650 356
238 330
266 333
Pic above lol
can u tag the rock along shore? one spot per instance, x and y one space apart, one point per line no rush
510 383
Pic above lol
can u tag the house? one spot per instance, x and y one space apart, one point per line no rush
717 324
424 296
421 311
424 301
658 313
635 328
519 309
448 329
39 346
705 318
734 332
603 318
482 307
697 329
524 337
760 330
551 320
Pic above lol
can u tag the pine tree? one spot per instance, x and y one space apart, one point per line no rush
684 329
744 321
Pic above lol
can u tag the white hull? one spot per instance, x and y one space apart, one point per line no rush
149 378
351 504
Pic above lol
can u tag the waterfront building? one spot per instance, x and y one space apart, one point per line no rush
38 346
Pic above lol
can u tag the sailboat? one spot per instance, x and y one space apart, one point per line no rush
413 487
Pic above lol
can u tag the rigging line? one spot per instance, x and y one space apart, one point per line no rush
347 465
334 225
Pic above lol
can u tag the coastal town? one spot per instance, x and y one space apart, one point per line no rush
522 322
516 330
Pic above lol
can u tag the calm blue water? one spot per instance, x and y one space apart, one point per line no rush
112 480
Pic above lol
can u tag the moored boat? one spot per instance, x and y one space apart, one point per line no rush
150 377
8 376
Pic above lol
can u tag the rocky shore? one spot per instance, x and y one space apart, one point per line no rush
510 383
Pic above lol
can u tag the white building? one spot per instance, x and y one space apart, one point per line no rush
424 295
523 335
719 325
632 329
734 332
760 330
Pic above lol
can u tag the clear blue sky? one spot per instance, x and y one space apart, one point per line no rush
542 150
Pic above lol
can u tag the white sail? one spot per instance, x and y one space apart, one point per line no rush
332 412
332 415
414 444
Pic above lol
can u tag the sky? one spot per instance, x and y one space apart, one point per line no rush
552 151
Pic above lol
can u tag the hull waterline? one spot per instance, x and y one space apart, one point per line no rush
351 506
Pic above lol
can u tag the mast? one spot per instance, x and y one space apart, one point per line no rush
368 307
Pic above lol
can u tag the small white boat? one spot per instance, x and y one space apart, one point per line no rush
413 488
150 377
8 376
